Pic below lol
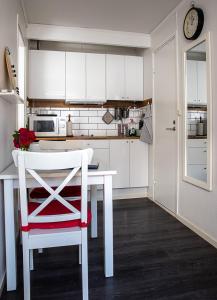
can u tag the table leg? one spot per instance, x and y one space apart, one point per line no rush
108 226
93 201
10 236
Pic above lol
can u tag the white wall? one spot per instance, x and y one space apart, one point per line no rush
197 206
8 37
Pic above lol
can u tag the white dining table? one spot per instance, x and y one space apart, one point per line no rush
95 178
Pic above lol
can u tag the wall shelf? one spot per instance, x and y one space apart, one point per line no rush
11 97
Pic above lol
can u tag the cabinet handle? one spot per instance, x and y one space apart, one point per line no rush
204 151
131 141
127 142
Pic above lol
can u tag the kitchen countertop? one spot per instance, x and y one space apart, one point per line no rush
197 137
64 138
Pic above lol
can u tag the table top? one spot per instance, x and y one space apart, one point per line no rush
11 172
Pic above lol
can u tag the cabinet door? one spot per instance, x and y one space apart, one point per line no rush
138 164
192 82
115 77
101 156
46 74
202 86
119 161
197 171
134 77
95 76
75 76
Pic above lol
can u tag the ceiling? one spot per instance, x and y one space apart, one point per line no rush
122 15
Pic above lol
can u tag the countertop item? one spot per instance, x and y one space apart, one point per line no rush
85 137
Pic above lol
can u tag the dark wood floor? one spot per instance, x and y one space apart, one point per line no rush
155 256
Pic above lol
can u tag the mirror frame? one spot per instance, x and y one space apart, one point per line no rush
204 185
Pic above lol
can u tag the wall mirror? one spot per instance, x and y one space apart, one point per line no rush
197 114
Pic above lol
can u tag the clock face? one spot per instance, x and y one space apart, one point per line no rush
193 23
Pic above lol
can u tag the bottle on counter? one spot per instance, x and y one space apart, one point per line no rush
200 127
69 126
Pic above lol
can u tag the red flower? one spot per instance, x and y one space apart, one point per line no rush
23 138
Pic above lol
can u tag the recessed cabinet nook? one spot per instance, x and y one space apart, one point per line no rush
79 77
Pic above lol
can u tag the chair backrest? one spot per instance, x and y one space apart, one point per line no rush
33 163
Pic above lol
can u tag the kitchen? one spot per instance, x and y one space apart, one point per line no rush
98 88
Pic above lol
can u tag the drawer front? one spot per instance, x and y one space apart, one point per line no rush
102 144
197 156
198 172
197 143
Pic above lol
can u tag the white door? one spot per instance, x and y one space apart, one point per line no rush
75 76
95 76
115 77
165 139
134 77
138 164
192 96
201 82
46 74
119 160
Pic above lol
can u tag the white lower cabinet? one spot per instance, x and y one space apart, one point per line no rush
119 161
130 159
197 159
138 164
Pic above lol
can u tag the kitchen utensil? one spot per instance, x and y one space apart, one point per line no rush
118 113
107 117
200 127
125 113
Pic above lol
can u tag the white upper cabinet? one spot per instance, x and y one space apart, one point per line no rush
202 88
134 77
196 82
75 76
46 74
124 77
95 76
115 77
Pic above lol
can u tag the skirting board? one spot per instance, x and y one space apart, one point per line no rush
130 193
190 225
2 283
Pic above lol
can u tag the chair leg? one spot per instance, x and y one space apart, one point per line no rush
79 250
84 264
31 258
26 270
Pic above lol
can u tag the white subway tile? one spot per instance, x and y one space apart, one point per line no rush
97 132
101 112
95 120
79 119
88 126
88 113
65 113
75 126
107 126
111 132
79 132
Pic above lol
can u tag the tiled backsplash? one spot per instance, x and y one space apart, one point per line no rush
193 119
88 121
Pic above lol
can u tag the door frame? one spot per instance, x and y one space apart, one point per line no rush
173 36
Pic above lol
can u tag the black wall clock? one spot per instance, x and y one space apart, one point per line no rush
193 23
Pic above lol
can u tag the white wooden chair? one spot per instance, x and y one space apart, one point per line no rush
56 221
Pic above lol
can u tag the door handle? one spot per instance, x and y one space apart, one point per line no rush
171 128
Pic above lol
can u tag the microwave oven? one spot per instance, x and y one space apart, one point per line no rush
47 125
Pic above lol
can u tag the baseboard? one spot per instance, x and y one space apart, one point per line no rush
190 225
130 193
2 283
198 231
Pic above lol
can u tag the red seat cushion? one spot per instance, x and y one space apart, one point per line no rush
55 208
67 191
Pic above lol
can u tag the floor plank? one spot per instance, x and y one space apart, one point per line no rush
156 257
